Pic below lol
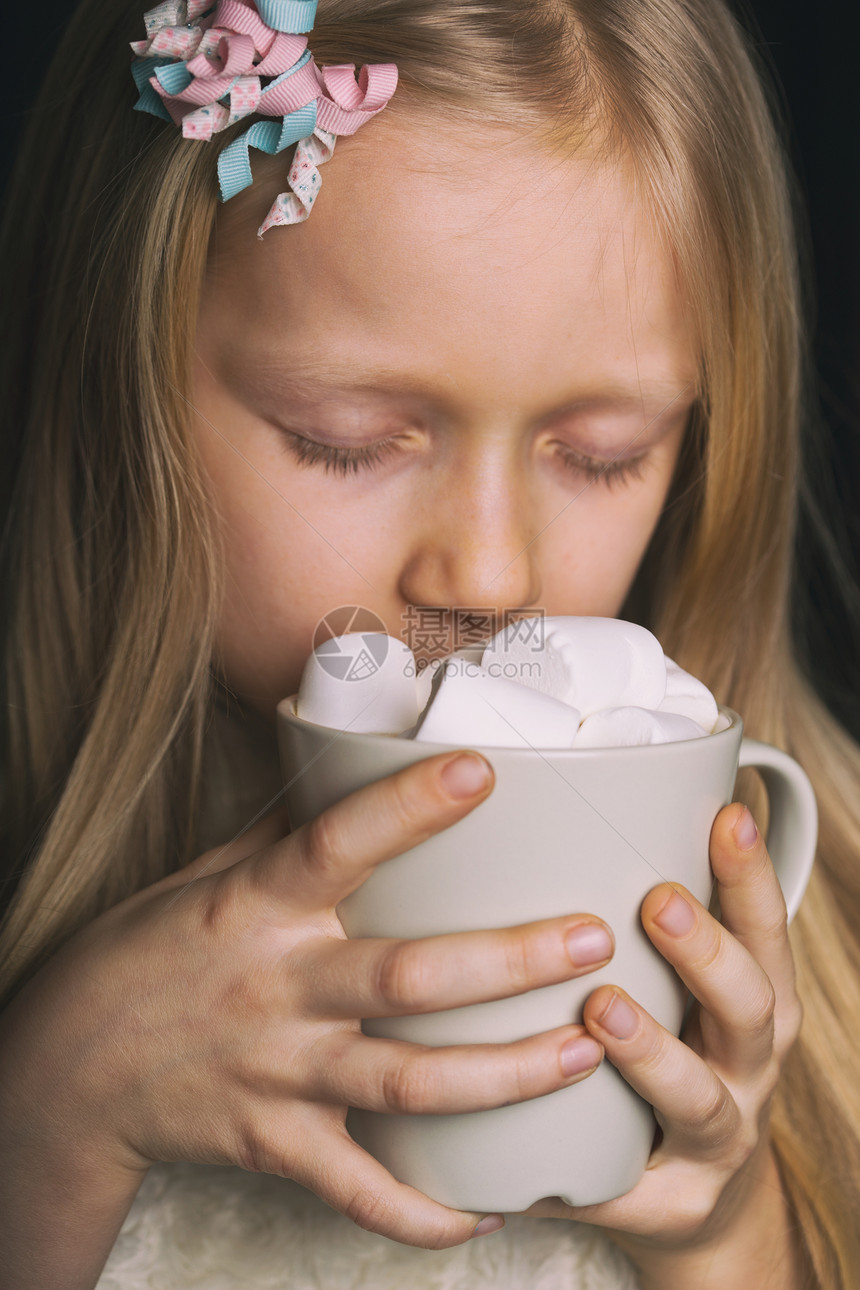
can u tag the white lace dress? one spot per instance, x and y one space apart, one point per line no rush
222 1229
195 1226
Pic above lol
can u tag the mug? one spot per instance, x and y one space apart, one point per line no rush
564 831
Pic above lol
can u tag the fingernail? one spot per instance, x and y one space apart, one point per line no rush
676 917
589 943
580 1055
491 1223
619 1019
465 775
745 831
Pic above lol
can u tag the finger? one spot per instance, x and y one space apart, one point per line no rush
349 1069
327 858
353 1183
274 826
736 995
752 905
672 1200
391 978
697 1112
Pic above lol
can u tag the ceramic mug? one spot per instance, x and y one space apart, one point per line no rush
564 831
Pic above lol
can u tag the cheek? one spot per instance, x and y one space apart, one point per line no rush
597 568
290 558
258 639
605 538
266 630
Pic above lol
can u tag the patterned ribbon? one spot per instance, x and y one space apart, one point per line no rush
304 180
203 67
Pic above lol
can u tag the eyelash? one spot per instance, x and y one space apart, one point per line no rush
346 461
342 461
602 472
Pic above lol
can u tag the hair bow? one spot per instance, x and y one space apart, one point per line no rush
206 66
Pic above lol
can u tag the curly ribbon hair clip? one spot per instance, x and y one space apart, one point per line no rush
204 66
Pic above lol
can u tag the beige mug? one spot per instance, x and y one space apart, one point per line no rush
564 831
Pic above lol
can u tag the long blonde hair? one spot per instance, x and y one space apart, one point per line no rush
111 560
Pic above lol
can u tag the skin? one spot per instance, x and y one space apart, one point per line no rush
214 1016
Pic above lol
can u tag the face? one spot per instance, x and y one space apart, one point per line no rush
462 383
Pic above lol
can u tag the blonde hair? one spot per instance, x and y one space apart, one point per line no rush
111 558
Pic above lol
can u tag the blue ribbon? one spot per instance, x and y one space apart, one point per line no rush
294 16
149 101
174 78
271 137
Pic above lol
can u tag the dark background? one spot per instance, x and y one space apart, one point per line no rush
813 50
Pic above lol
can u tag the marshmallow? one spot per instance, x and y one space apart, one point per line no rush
689 697
629 726
541 683
363 681
470 706
426 675
590 663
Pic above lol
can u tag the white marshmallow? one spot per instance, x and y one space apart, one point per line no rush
689 697
427 673
363 681
469 706
590 663
528 688
629 726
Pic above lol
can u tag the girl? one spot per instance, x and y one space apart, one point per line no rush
536 347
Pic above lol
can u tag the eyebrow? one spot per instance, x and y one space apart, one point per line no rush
311 379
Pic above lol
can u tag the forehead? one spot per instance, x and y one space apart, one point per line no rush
428 238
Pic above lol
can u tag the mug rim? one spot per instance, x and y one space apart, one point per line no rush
286 711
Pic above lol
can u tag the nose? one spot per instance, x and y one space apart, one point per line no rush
476 536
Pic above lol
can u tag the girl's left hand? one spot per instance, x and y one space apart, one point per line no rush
710 1197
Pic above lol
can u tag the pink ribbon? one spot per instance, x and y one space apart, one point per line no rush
347 104
242 18
291 93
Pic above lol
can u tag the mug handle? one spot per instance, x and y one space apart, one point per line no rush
793 831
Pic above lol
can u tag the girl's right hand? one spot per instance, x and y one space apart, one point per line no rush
214 1017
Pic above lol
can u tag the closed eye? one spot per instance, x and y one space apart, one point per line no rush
350 461
618 471
342 461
